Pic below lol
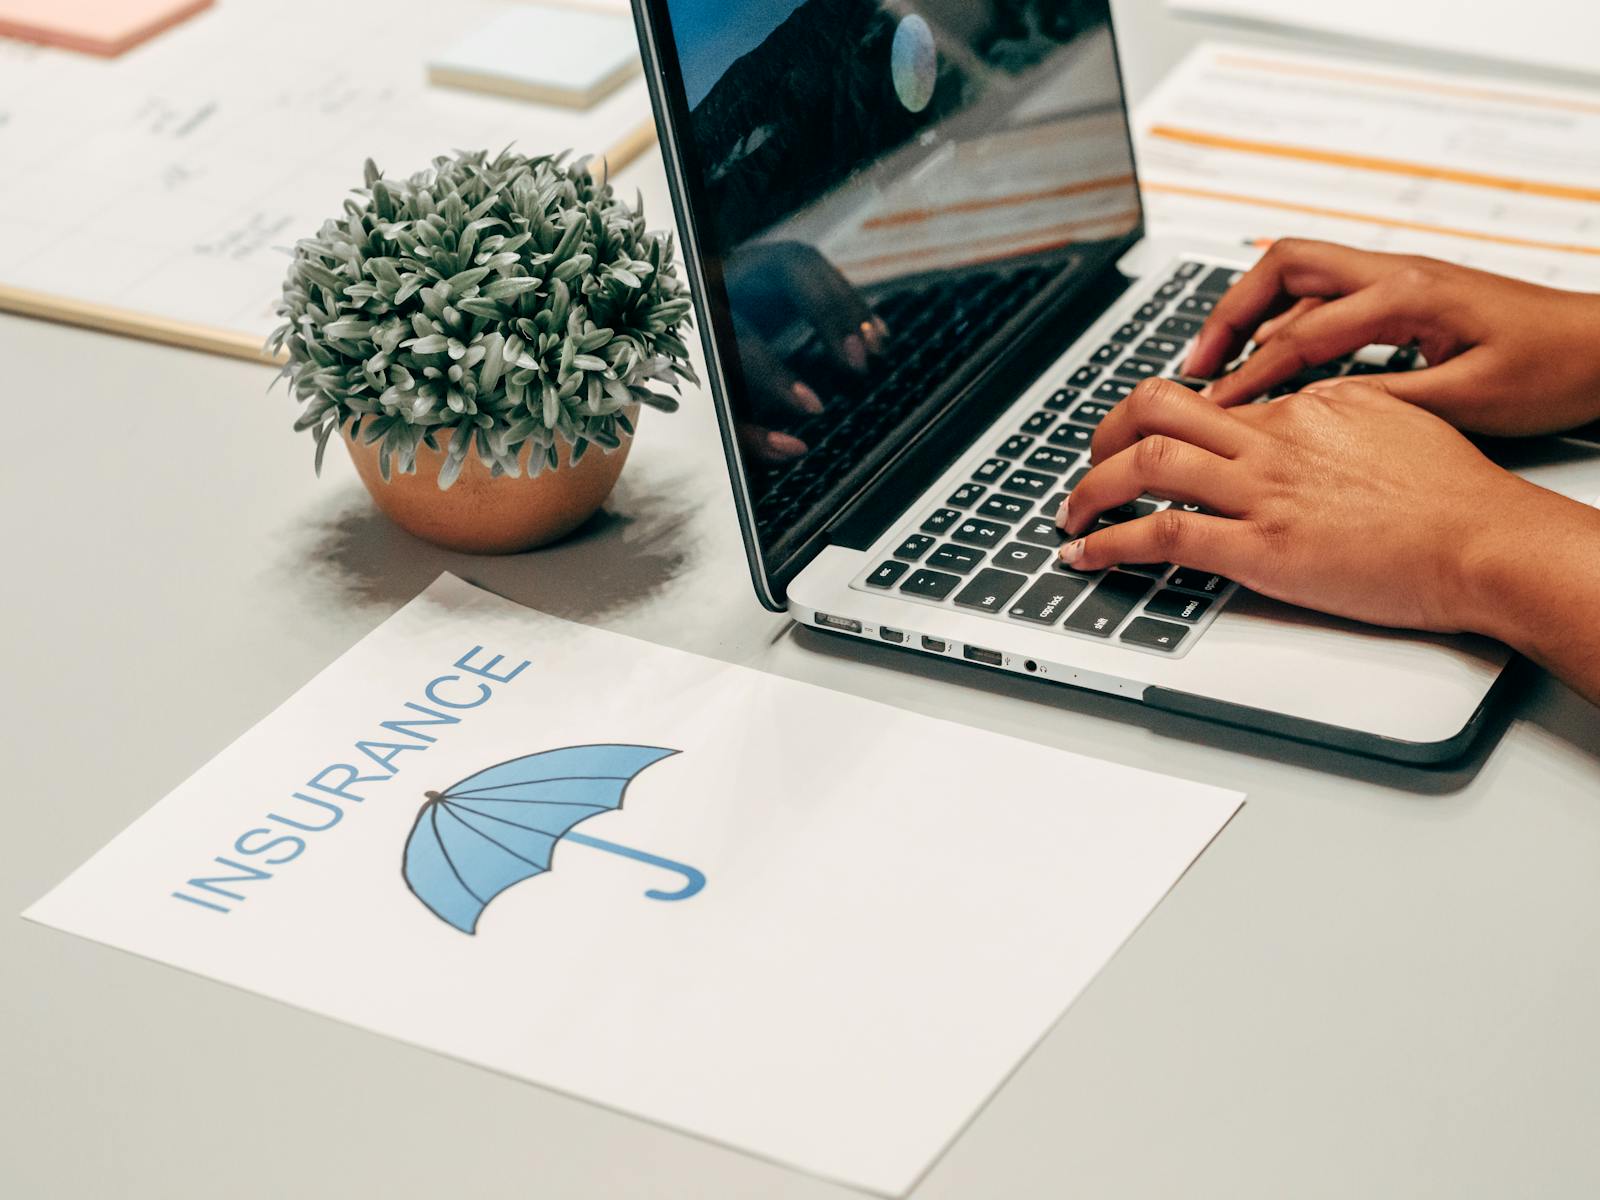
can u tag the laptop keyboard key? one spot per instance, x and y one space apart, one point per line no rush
1182 328
1071 437
1083 376
980 533
1041 531
1203 582
1177 605
1014 556
1092 412
1029 483
1196 306
966 495
1048 598
941 520
1114 390
934 585
1159 347
1169 289
886 574
1149 311
991 470
1015 446
1128 332
1140 368
1107 353
1154 635
1004 508
990 589
914 547
1113 598
1187 270
1217 281
1061 399
1077 477
1047 459
950 557
1039 422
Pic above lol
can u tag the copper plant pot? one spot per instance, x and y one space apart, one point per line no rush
483 514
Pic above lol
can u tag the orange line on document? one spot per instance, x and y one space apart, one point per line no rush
1365 162
1409 85
911 216
1391 222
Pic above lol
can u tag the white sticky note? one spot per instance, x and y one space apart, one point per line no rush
550 54
796 922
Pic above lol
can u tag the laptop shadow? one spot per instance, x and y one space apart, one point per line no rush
1445 779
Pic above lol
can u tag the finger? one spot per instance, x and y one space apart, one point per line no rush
773 390
1373 314
770 445
1160 406
1162 466
1263 335
835 309
1290 270
1206 543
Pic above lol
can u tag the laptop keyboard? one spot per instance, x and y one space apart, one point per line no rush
990 547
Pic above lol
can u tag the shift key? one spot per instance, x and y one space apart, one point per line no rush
1103 609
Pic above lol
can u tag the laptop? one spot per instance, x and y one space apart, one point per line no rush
914 235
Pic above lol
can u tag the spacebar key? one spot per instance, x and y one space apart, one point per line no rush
1103 609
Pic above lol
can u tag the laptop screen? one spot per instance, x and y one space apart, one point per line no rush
882 191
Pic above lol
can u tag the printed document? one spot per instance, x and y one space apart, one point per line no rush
806 925
1241 144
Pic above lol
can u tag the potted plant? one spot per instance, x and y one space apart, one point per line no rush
482 336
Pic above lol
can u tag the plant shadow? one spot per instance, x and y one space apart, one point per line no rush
621 559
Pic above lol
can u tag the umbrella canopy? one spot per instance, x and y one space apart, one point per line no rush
500 826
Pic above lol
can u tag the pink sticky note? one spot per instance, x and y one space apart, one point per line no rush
104 27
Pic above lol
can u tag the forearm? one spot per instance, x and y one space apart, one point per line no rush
1533 582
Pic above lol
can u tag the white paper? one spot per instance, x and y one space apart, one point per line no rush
1563 34
171 180
895 909
551 46
1243 144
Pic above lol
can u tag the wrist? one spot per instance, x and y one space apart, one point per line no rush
1510 563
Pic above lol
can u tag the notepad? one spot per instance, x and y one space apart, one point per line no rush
104 27
545 54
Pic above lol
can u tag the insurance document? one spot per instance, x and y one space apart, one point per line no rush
802 924
1247 145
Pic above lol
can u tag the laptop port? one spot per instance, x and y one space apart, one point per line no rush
892 635
990 658
844 623
934 644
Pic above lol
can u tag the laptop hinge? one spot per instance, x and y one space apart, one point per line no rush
884 501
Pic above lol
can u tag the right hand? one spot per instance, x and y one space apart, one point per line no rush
1504 358
771 285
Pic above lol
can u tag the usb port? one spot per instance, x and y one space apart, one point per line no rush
844 623
892 635
934 644
978 654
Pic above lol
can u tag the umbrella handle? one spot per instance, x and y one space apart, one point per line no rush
693 880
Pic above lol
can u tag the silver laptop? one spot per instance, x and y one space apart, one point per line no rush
914 235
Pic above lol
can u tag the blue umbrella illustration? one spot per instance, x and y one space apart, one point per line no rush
498 827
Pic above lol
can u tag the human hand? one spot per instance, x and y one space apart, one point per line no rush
1504 357
1347 500
772 285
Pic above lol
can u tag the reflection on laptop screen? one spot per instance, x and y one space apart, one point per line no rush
882 187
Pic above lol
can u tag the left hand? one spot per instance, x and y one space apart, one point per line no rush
1347 500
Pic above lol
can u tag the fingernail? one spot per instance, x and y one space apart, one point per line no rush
1072 551
1188 362
855 352
807 399
870 334
1061 514
1205 392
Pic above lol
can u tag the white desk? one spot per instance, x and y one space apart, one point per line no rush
1378 982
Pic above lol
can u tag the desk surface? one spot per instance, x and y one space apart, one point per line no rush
1378 982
